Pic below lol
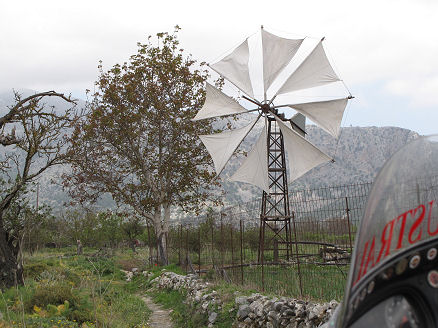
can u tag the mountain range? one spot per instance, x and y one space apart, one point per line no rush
359 153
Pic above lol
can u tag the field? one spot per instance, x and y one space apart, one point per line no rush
233 256
65 290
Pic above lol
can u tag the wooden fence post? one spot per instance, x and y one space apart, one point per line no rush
180 244
349 226
199 250
222 242
241 251
187 249
232 250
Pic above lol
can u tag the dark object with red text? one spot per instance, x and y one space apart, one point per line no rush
393 279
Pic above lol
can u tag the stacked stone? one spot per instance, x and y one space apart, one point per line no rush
252 311
198 292
261 311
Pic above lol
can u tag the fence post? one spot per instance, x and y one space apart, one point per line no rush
275 251
297 255
199 250
151 256
222 241
241 251
232 250
187 250
212 244
349 226
262 253
180 244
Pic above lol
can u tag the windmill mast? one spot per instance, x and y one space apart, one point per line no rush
265 166
275 216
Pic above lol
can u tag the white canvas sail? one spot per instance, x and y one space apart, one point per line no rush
217 104
303 156
222 145
277 53
314 71
254 169
234 68
326 114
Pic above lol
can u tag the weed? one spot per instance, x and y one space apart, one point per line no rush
183 315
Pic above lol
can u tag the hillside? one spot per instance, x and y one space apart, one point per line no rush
359 154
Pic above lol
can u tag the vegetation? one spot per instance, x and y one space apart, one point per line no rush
34 139
137 141
185 315
73 291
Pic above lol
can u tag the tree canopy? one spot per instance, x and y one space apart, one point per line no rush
33 138
137 141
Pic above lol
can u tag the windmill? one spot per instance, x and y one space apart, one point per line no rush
265 165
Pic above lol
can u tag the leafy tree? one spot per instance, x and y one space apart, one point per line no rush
138 142
109 230
33 139
132 229
24 223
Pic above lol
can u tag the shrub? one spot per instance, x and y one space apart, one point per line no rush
98 266
54 294
34 269
39 322
51 296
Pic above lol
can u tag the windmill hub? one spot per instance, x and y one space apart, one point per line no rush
266 108
271 110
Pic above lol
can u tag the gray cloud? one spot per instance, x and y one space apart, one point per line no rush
57 44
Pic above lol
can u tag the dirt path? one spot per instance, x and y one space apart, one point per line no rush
160 318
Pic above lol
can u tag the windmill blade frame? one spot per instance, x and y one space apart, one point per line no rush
314 70
277 139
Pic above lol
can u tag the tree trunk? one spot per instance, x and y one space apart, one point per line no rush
133 244
11 270
161 246
161 229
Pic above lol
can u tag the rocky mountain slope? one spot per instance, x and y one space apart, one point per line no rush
359 153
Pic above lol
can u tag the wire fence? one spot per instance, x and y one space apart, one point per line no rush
225 244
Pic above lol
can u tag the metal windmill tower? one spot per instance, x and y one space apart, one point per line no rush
284 73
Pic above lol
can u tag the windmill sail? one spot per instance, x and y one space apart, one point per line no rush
302 155
222 145
234 68
218 104
254 169
314 71
326 114
298 124
282 50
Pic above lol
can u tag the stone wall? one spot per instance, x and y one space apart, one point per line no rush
255 310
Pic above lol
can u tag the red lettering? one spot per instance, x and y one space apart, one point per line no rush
361 264
429 221
416 224
386 242
402 228
370 257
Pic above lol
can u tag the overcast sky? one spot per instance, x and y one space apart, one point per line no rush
386 51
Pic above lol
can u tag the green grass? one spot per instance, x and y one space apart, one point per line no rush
319 283
66 290
182 314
